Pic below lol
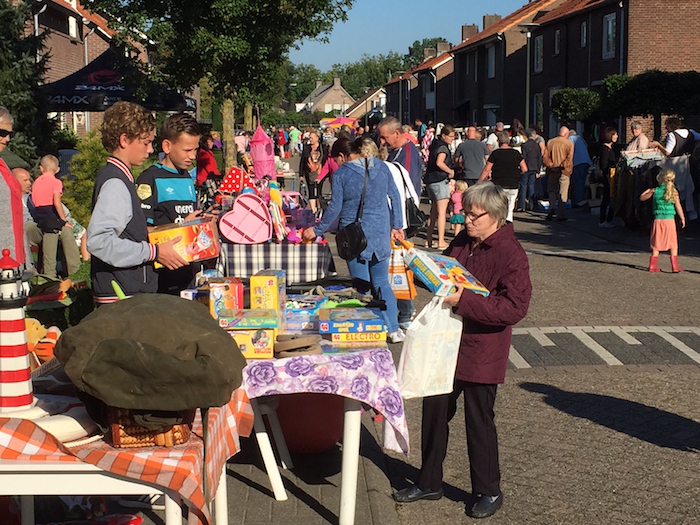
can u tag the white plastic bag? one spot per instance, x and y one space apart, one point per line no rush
430 350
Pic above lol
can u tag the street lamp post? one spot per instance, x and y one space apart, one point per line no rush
527 28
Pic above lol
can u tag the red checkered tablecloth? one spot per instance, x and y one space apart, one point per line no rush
177 468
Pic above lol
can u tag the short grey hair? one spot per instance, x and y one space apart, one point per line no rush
531 133
500 124
503 137
635 124
5 115
392 124
491 198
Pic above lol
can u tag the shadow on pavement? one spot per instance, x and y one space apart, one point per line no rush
653 425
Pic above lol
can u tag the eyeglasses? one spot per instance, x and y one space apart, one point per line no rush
4 133
473 216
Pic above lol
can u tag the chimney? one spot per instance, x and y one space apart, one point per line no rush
489 20
443 47
319 83
336 82
429 52
469 31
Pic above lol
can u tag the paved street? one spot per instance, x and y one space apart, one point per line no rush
598 418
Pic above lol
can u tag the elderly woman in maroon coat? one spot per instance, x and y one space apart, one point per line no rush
489 250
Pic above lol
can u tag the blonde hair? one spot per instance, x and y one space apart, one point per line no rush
5 115
667 178
368 148
461 186
49 163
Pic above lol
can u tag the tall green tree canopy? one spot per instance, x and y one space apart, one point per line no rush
415 52
238 44
21 78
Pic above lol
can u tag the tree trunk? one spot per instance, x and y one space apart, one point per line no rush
228 137
657 126
248 117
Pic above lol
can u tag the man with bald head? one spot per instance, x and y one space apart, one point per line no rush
30 227
559 160
472 155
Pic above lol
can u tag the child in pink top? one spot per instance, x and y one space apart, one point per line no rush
457 218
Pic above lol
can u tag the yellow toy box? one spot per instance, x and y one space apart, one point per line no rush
268 291
200 239
221 293
255 344
254 331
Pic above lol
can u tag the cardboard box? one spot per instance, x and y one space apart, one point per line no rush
268 291
358 337
440 273
349 320
305 304
329 347
200 239
300 323
221 293
255 344
248 319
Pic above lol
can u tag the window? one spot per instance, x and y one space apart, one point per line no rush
466 64
557 41
72 27
328 108
537 56
476 66
490 61
539 110
609 35
584 34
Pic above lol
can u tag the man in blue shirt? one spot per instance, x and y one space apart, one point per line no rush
401 149
582 162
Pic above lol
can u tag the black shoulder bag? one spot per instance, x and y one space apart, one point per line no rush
416 220
351 240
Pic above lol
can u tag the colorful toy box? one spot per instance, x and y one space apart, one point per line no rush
225 293
300 323
301 313
268 291
349 320
440 273
358 337
200 239
254 331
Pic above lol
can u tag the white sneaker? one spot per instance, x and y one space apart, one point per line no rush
147 501
396 337
605 224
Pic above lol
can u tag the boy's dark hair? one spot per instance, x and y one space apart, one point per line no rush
176 125
125 117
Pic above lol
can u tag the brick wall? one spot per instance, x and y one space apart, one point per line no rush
663 35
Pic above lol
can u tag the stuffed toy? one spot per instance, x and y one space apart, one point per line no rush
41 340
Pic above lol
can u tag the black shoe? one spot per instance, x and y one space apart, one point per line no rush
413 493
484 507
549 217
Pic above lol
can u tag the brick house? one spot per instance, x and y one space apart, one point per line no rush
434 91
490 67
374 101
402 97
327 98
581 42
76 37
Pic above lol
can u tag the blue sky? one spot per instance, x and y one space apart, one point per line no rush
379 26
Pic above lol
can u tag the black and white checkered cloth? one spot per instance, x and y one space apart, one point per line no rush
302 262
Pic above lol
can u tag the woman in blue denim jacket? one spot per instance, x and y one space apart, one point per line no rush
378 220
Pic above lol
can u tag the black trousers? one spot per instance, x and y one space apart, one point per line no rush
482 440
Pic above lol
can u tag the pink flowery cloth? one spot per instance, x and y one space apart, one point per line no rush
367 375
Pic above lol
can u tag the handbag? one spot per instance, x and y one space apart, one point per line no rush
429 354
400 277
416 220
351 241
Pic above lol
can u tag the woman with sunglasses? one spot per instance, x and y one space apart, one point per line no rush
11 216
489 250
379 221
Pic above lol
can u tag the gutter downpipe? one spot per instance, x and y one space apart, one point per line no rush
432 73
85 46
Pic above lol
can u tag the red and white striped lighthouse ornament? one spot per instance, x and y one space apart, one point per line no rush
15 375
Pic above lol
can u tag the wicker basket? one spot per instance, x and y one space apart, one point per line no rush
127 434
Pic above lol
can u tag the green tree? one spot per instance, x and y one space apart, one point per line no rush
415 52
77 191
21 79
575 104
299 80
368 72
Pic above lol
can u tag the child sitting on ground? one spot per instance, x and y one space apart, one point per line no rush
457 218
666 204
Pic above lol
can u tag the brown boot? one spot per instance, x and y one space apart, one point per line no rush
674 264
652 264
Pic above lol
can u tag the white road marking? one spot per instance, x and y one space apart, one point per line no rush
627 338
593 345
518 360
680 345
541 338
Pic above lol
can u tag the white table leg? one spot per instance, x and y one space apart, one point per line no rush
267 454
173 512
351 458
221 500
26 504
278 436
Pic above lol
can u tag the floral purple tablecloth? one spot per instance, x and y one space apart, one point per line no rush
367 375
